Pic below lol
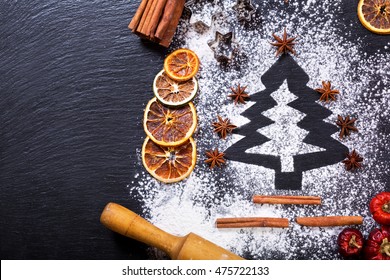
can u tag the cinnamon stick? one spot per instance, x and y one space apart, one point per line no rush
154 21
166 19
171 29
137 17
251 222
329 221
280 199
144 17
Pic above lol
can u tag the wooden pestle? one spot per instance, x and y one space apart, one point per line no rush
189 247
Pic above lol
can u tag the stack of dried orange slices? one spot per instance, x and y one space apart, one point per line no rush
169 151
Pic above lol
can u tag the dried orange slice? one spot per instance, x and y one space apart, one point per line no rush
181 65
375 15
169 164
169 126
173 93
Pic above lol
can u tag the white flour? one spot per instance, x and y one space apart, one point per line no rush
364 83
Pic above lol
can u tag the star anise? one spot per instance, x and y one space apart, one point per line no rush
326 92
215 158
239 95
223 127
284 44
353 161
347 125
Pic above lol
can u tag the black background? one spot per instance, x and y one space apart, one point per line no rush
73 85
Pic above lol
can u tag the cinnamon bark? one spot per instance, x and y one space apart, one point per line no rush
156 18
280 199
145 29
251 222
138 15
166 19
170 31
144 17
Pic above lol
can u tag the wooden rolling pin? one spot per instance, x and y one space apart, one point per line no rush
189 247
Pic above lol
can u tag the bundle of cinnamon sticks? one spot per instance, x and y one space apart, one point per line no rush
157 20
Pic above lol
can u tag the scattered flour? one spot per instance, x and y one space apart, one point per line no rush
364 82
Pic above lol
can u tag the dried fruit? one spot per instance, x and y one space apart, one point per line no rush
181 65
169 126
169 164
172 93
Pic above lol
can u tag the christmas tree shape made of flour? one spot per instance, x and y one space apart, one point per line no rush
287 131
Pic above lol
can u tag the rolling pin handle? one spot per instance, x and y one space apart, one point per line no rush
125 222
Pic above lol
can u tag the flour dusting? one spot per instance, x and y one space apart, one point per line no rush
364 83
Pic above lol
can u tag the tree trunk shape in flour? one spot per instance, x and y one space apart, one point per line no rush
287 131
